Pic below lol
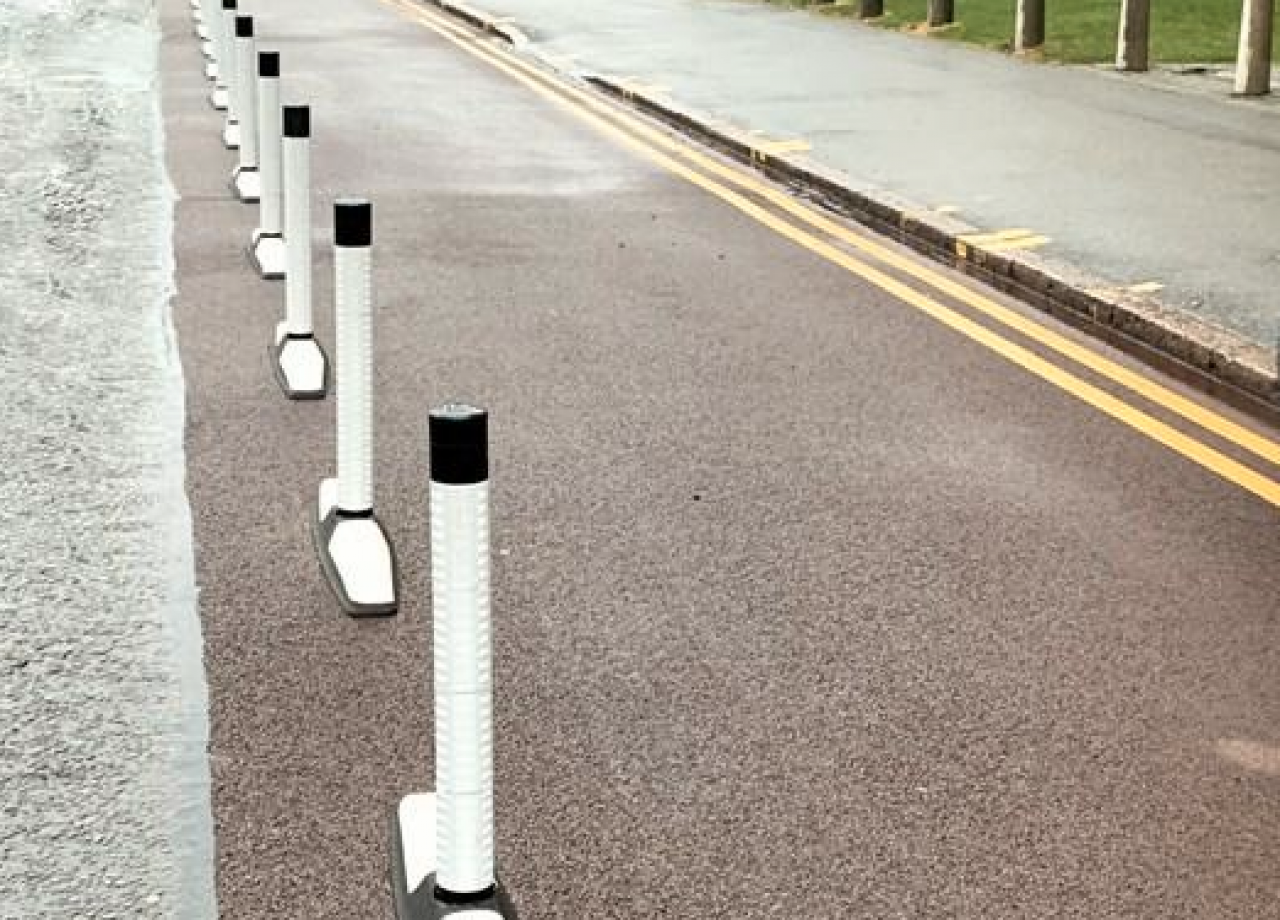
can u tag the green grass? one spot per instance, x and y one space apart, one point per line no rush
1080 31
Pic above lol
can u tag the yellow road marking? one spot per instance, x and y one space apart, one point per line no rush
1025 242
997 236
1159 431
631 88
1000 240
778 148
1146 287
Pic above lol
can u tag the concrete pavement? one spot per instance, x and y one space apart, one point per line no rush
1139 196
805 604
104 785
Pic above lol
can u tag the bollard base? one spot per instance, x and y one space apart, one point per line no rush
356 557
413 870
268 255
218 97
246 182
231 135
300 364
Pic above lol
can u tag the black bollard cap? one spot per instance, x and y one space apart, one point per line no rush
459 445
268 63
352 222
244 27
296 121
228 4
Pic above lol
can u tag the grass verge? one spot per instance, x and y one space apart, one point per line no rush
1078 31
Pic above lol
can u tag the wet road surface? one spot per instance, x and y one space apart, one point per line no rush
1114 172
805 603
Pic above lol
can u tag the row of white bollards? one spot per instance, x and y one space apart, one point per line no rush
443 842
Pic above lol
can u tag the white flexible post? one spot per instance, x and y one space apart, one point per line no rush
295 148
246 182
266 247
206 16
201 20
443 850
221 69
301 367
355 554
353 286
463 658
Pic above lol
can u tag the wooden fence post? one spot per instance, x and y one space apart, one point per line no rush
1028 27
1253 65
941 13
1135 31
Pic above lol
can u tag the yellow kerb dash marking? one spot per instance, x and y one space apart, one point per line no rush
632 88
1146 287
780 148
1022 242
1000 240
998 236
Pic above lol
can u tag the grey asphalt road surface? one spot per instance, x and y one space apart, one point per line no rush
804 604
104 785
1130 181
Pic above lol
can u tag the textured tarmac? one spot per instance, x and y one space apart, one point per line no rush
804 605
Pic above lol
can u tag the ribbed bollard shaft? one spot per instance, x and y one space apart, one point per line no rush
245 91
296 162
269 216
222 53
463 652
353 284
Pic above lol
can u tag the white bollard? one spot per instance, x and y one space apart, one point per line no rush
201 21
221 70
355 553
206 30
266 247
246 182
300 365
443 847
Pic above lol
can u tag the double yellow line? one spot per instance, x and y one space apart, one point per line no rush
720 180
